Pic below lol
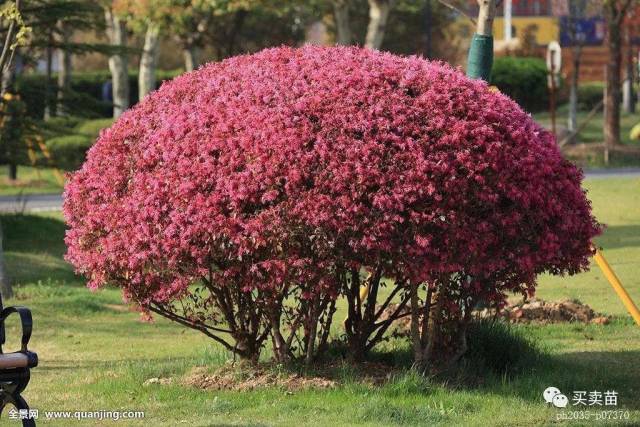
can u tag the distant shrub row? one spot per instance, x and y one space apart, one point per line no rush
71 138
525 80
85 97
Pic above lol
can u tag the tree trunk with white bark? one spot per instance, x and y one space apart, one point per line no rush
149 61
48 91
190 56
572 122
486 14
628 98
118 63
378 16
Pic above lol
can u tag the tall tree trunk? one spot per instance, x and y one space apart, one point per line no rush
428 22
573 90
628 100
13 170
378 16
343 22
148 61
6 290
239 20
64 69
190 58
9 74
486 14
48 91
117 34
7 68
480 57
614 16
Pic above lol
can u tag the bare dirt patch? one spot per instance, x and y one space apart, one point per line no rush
247 377
540 311
531 311
229 378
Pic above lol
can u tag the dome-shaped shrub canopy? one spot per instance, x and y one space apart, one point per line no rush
283 166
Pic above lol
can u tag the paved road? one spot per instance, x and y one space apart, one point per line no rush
53 202
31 203
612 173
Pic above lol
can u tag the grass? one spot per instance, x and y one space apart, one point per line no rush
30 181
590 153
96 354
42 180
616 203
593 131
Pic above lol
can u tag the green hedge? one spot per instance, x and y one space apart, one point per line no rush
524 80
589 94
71 139
68 152
85 97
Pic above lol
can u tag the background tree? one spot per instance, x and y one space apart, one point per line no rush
342 22
116 31
480 59
628 98
249 26
148 18
577 12
15 33
614 12
379 11
53 22
190 21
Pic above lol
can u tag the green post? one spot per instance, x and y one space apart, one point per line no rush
480 58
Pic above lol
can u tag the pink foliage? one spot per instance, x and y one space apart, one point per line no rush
281 167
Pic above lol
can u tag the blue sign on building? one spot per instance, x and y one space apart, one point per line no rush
590 31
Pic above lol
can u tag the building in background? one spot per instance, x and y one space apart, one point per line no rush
529 17
535 23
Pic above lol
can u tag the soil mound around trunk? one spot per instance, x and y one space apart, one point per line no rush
540 311
531 311
227 378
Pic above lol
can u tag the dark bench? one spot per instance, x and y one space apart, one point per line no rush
14 367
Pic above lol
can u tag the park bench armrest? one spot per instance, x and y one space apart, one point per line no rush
25 320
18 360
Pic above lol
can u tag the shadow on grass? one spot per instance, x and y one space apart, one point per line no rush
33 234
620 236
34 246
504 360
571 372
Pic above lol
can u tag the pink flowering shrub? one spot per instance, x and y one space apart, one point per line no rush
243 198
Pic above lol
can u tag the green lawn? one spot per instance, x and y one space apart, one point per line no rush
590 154
30 181
593 130
95 354
43 180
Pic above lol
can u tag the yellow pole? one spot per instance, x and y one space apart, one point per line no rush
617 286
364 291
